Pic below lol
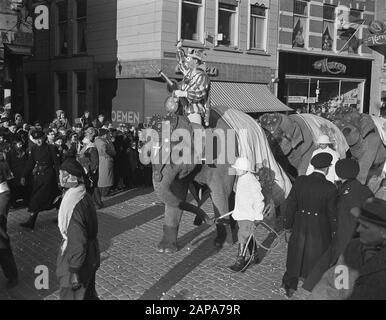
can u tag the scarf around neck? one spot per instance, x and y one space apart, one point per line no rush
70 199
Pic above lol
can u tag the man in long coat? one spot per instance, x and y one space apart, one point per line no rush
79 256
310 217
43 163
351 196
106 153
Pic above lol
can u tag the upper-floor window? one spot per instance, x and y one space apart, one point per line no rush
192 20
61 90
258 27
81 81
354 31
81 21
328 34
300 24
227 26
61 43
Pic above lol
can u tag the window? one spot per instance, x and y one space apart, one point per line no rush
301 7
328 34
62 38
355 18
81 20
62 91
81 83
192 20
300 24
258 28
227 23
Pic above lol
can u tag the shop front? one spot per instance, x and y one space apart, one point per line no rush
319 84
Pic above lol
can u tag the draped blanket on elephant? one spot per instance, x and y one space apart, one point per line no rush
253 144
380 124
321 126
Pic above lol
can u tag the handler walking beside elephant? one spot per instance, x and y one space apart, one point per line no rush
249 207
311 219
324 144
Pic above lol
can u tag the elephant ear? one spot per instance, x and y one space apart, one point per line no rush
297 136
366 125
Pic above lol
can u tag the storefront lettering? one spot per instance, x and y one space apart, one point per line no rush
125 116
376 40
330 67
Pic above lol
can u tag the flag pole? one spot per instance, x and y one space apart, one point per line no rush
364 20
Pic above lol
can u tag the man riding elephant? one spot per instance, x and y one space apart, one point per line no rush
195 85
176 166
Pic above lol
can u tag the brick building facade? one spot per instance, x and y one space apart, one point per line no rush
323 61
99 55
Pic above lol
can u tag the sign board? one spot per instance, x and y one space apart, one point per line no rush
332 67
297 99
375 40
17 38
124 116
312 100
350 101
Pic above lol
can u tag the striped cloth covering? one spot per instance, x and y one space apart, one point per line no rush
253 144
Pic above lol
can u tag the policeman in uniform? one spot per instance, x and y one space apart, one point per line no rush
44 165
310 219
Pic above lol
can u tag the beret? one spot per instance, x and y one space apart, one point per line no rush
374 211
73 167
37 134
347 168
321 160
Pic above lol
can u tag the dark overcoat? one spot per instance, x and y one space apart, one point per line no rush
311 215
44 164
352 194
82 255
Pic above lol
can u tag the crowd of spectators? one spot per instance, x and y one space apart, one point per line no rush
108 154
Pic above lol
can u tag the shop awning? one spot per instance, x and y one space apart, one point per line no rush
246 97
13 49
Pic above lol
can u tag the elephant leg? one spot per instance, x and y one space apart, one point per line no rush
226 229
168 243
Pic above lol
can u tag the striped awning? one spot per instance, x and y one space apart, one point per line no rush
246 97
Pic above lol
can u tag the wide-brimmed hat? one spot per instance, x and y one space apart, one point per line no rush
243 164
324 139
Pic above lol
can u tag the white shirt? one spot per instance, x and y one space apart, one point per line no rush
249 202
331 175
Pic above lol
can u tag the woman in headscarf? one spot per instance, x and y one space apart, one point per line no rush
79 255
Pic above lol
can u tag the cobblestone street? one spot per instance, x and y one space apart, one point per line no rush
130 226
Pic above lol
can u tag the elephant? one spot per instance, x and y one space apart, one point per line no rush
363 138
173 179
294 137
